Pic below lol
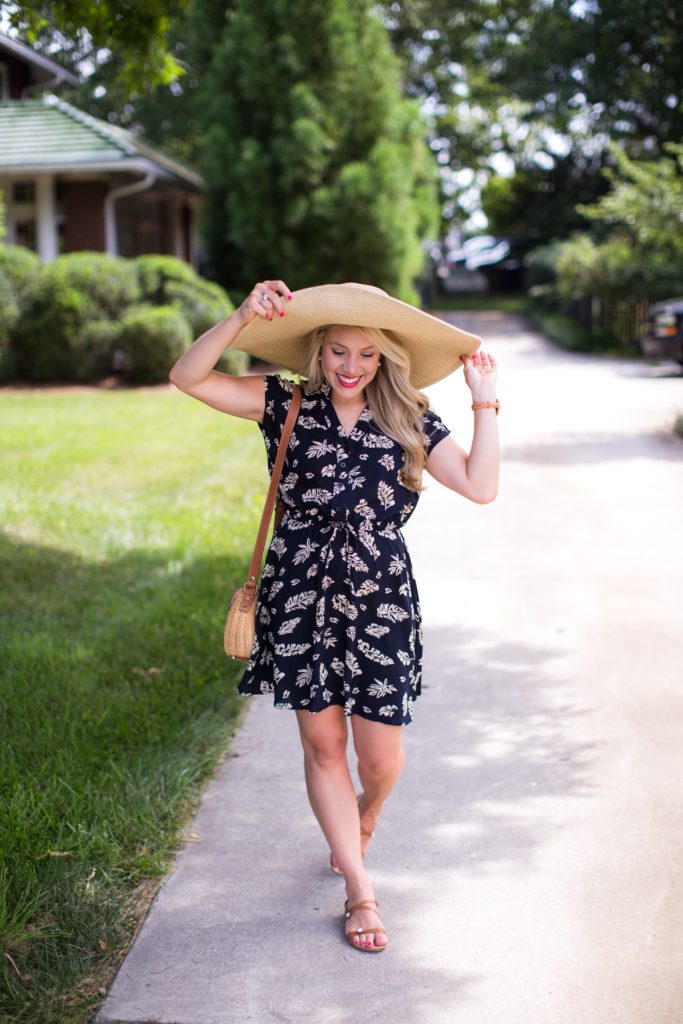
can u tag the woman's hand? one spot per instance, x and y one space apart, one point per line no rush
264 300
481 375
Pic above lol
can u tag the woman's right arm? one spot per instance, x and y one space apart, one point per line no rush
193 373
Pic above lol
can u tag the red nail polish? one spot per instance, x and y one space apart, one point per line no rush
282 312
290 296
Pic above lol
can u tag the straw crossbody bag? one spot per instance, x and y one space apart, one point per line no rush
240 625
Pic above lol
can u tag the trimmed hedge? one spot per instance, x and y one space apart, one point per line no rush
148 341
19 269
70 294
75 319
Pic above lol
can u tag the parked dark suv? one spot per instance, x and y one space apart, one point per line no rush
662 336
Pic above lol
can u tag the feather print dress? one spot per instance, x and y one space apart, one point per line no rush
338 615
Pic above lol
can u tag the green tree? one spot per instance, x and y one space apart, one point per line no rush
317 169
135 32
537 204
638 253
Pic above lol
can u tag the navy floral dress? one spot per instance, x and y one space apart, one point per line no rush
338 616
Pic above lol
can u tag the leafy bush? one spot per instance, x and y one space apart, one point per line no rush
70 294
167 281
149 339
9 314
21 267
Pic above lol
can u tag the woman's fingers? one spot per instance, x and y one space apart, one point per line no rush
266 300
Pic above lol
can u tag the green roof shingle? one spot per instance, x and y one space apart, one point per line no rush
45 133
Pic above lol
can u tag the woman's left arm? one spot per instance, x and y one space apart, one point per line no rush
475 476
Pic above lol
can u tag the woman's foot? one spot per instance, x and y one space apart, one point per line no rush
363 925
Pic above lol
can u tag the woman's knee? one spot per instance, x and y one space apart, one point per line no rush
378 763
324 743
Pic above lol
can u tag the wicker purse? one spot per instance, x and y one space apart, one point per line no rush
240 625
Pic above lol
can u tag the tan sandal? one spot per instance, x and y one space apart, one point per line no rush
370 904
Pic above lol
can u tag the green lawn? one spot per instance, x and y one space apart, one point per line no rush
128 518
505 302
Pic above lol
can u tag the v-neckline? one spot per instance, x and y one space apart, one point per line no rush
341 425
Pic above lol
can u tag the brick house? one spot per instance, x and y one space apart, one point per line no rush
71 181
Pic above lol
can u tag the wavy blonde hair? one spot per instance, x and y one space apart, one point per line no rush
396 405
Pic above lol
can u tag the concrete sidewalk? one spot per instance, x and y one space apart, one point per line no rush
528 863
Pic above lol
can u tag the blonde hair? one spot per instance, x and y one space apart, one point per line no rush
395 404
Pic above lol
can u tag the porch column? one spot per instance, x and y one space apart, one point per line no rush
46 218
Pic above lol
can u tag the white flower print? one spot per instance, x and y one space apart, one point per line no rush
374 629
317 495
355 479
378 441
289 650
392 612
302 600
342 604
304 676
367 587
304 551
278 546
289 625
387 461
388 710
338 666
320 448
385 493
352 664
356 562
404 657
373 654
381 688
396 565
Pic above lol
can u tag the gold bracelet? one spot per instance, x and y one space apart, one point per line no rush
486 405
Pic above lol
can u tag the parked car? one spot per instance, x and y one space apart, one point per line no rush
662 336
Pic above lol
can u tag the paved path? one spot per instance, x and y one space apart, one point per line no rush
529 863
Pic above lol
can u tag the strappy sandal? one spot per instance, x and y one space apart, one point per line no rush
370 904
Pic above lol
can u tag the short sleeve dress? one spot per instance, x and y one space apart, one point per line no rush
338 616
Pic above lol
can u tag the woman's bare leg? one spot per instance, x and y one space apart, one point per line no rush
331 793
379 748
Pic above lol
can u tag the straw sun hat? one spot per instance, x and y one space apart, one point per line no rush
433 346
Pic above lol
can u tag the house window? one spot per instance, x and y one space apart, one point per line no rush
4 84
22 223
24 192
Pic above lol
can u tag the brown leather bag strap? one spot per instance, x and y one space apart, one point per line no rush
255 564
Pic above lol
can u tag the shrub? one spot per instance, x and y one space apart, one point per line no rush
167 281
70 294
21 267
9 314
148 341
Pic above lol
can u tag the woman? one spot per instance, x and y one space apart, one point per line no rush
339 631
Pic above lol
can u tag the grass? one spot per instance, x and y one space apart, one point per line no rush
566 332
128 520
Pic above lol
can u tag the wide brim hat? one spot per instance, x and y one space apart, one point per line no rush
433 346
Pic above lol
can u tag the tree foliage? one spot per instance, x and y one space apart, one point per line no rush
134 30
317 168
641 252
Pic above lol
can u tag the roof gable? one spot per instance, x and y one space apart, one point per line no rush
48 133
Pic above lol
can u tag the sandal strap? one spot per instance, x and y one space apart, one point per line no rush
364 832
369 904
366 931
